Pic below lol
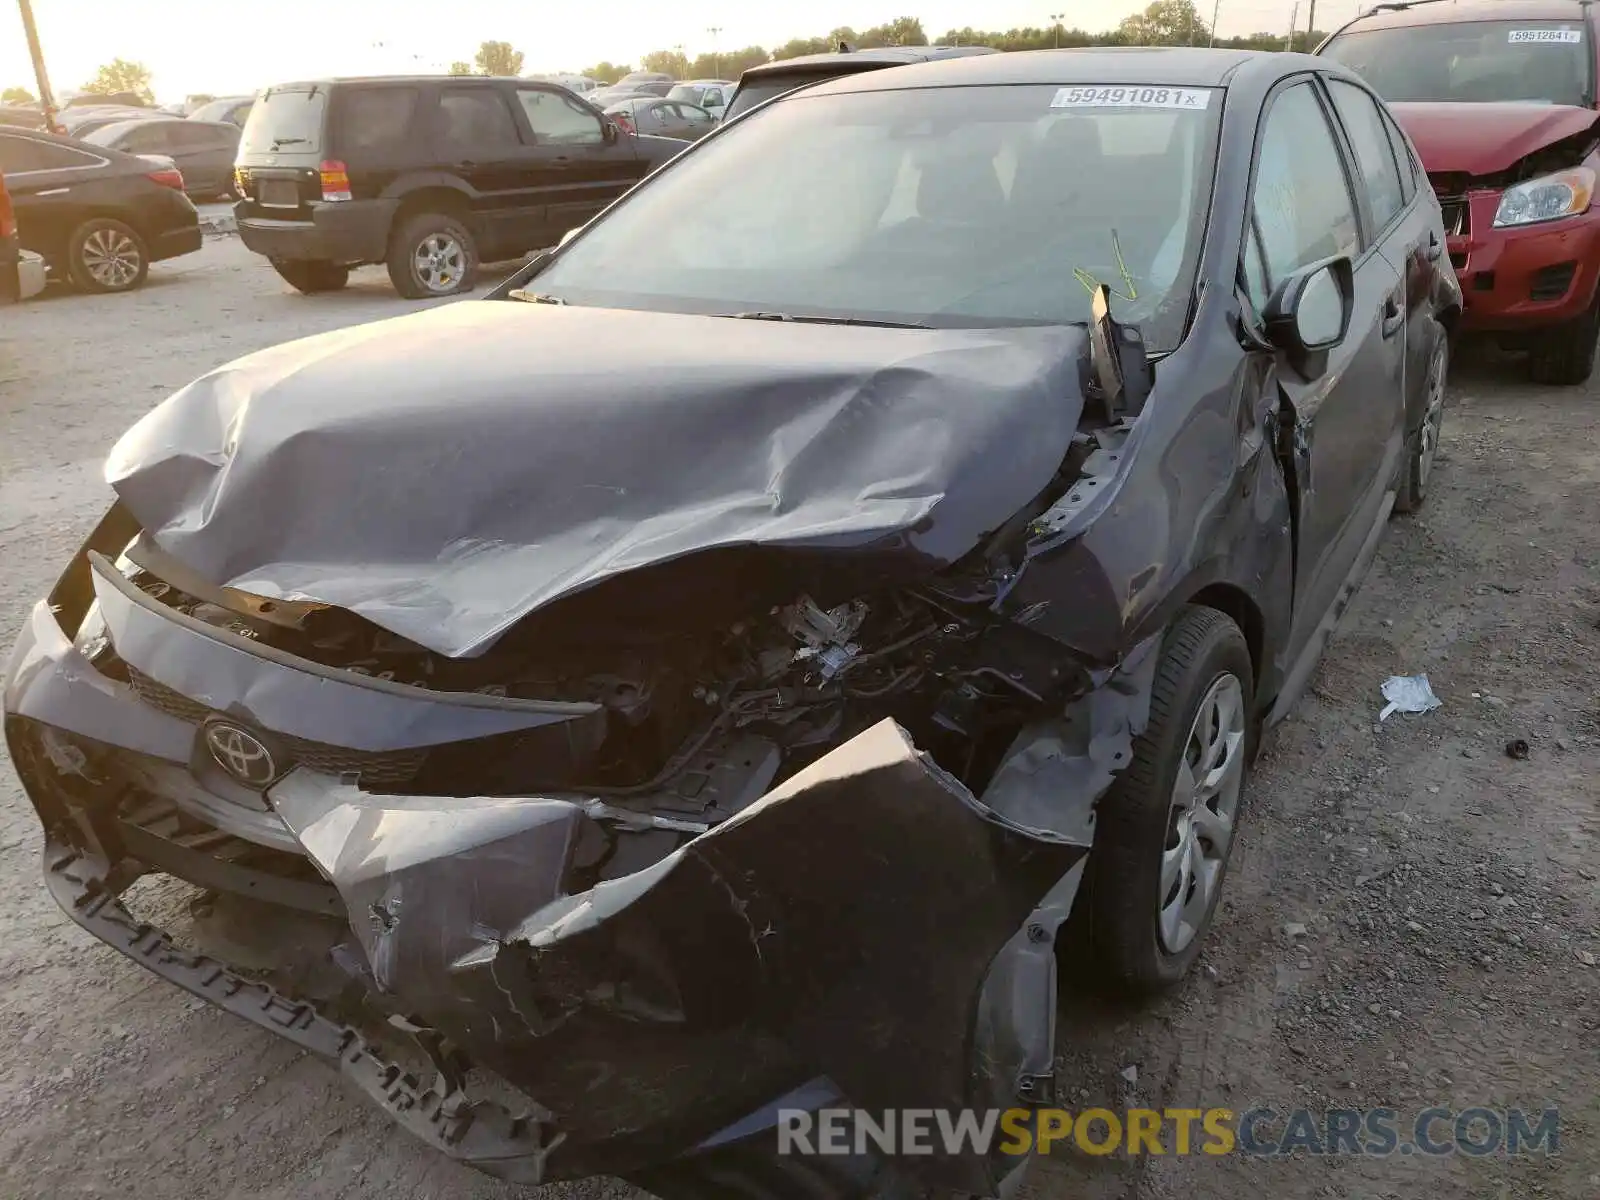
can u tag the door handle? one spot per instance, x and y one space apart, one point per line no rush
1394 316
1435 247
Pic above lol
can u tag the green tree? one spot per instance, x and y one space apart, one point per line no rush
607 72
119 75
728 64
498 58
16 95
902 31
1166 23
666 62
460 68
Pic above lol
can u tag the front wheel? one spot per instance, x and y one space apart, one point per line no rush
1565 355
105 255
1166 828
432 254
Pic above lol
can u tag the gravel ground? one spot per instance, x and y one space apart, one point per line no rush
1411 918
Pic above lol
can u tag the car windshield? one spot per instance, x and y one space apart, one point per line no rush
1539 61
686 93
974 206
289 120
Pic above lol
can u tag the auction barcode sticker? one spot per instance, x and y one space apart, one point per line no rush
1197 99
1559 36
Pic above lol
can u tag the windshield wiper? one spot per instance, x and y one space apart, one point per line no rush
528 297
779 316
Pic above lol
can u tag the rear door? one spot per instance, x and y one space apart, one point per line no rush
1408 222
584 163
475 138
204 153
51 187
1349 421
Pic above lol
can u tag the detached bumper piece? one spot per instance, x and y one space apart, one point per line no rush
480 1134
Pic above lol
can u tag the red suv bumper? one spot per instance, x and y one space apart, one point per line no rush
1524 277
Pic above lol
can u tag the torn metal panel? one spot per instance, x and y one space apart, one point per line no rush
915 443
651 1010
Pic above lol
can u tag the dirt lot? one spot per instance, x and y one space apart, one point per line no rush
1407 922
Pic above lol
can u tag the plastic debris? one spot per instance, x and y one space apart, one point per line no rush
1408 693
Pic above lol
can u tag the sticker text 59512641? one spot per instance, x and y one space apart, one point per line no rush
1547 36
1100 96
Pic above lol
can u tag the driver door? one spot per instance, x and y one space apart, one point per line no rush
1347 427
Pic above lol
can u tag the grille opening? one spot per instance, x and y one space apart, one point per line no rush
1552 283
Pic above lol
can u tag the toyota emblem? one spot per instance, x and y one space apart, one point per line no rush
241 754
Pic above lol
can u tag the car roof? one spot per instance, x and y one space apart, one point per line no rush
876 54
71 143
703 82
1137 65
1434 12
333 80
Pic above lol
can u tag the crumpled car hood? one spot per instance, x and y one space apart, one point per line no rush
1484 139
445 474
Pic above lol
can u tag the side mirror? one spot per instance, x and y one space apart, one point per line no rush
608 130
1310 312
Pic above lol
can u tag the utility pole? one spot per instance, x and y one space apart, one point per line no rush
1216 12
1057 18
1294 17
1311 25
716 54
47 99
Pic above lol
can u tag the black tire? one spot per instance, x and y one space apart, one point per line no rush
312 275
1201 649
1565 355
106 255
1418 471
455 257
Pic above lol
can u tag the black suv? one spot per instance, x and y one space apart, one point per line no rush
427 174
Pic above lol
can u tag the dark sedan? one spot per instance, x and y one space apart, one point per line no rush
662 118
699 684
98 216
203 150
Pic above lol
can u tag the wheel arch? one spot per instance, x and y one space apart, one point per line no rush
1241 608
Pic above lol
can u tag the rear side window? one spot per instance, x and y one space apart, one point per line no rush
19 154
558 120
474 117
375 118
1301 207
196 136
1403 156
287 122
1374 155
761 89
147 138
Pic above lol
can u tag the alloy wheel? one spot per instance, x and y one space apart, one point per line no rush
1205 804
112 258
440 262
1432 419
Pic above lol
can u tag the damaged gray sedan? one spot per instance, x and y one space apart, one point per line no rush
711 676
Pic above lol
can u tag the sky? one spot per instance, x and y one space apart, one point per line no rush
220 47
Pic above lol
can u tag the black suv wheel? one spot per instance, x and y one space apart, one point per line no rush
311 275
432 254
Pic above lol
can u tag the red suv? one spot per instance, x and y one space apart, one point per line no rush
1500 100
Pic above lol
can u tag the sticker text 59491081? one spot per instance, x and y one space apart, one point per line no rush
1099 96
